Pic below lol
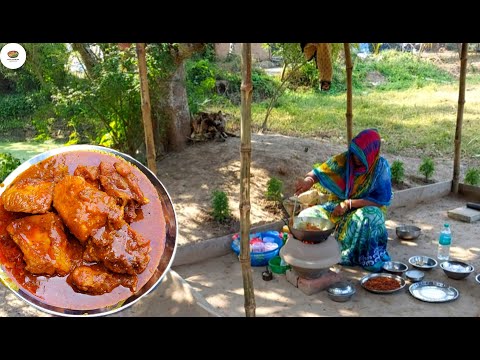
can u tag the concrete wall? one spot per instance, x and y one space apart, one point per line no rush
258 52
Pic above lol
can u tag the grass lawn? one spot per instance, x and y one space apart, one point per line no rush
420 121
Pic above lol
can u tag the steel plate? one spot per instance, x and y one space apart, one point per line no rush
433 291
383 275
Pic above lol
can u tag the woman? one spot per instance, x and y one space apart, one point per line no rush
360 183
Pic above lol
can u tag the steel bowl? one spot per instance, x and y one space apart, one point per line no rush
456 269
341 291
299 231
165 262
395 267
477 278
408 232
415 275
423 262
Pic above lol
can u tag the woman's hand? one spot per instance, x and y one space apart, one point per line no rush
304 185
340 209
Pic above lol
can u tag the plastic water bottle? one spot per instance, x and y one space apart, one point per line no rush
444 242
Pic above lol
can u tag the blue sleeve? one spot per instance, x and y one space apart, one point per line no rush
381 190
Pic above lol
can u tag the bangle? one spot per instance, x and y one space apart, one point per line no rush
311 178
350 203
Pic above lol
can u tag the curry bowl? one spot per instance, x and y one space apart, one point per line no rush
155 220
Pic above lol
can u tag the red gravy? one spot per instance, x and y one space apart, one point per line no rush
55 291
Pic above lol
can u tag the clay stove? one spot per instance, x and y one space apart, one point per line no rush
311 263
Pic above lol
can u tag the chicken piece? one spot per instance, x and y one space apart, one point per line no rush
83 208
32 190
90 174
122 251
119 181
33 196
43 242
96 280
130 212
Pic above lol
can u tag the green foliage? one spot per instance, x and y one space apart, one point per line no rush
472 176
427 168
398 171
200 83
8 163
220 209
274 189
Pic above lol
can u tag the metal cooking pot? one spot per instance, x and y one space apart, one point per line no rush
298 229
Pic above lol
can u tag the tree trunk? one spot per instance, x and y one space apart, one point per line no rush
172 114
458 130
146 110
245 160
349 114
89 59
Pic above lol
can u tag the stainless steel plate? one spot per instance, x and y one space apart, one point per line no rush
383 275
165 261
433 291
423 262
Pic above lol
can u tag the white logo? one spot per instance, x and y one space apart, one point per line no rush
13 56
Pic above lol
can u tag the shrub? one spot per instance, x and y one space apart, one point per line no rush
472 176
274 189
398 171
8 163
427 168
221 211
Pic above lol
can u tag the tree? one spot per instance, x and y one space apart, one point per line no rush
169 100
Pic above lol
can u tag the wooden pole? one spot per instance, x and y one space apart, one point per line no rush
349 113
245 160
146 110
458 130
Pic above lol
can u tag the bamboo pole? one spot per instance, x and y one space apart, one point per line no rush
245 160
146 110
349 113
458 130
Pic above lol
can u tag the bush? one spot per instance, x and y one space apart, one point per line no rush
274 189
8 163
427 168
398 171
221 211
472 176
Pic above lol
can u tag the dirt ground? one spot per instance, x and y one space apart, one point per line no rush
192 175
219 279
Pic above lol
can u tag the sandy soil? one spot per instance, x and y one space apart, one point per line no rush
191 176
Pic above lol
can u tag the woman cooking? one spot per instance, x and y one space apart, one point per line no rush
360 183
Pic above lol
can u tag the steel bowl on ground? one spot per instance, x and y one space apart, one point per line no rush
408 232
456 269
166 259
423 262
395 267
299 231
415 275
477 278
341 291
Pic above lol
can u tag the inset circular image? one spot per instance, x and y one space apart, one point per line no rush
13 56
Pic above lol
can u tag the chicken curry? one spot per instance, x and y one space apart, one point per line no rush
81 230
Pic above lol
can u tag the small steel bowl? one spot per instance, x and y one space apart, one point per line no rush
477 278
456 269
415 275
408 232
341 291
395 267
423 262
